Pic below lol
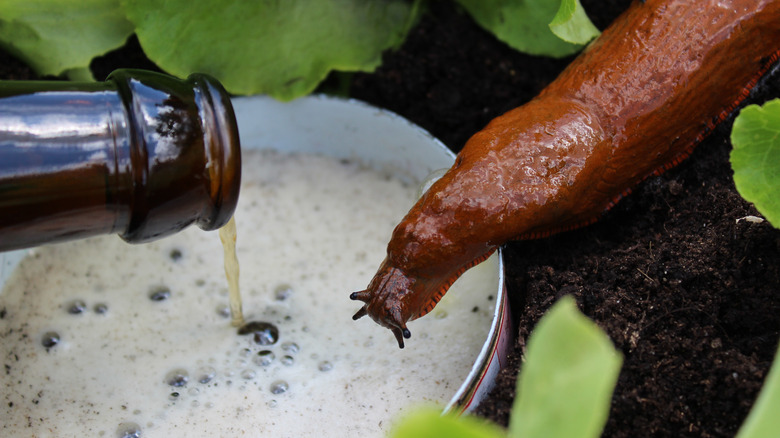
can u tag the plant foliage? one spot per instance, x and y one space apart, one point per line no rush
60 37
430 423
566 384
563 390
537 27
763 421
572 24
756 157
281 48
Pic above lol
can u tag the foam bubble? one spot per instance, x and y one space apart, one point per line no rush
159 293
206 374
279 387
264 333
290 347
175 254
50 340
128 430
77 307
177 378
264 357
223 310
283 292
100 308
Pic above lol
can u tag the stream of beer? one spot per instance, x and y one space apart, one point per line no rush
227 234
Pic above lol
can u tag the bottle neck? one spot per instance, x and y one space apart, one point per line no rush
142 155
185 154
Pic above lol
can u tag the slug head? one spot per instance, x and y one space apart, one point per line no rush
393 298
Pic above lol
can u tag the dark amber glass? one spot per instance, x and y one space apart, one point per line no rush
142 155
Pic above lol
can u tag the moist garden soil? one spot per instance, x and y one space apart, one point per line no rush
688 293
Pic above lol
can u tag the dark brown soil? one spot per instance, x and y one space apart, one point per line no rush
688 294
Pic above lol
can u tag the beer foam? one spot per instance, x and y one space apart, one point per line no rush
102 338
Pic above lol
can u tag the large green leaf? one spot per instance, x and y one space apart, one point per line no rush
756 157
61 36
566 384
282 48
526 24
430 423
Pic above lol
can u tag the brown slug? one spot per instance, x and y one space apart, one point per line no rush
634 103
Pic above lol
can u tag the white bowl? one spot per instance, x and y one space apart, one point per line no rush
351 129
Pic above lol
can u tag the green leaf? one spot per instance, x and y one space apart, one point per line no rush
566 384
756 157
572 24
763 421
430 423
524 24
282 48
58 36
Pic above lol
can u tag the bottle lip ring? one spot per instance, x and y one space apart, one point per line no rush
223 150
213 197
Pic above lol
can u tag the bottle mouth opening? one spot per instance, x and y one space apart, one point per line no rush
223 151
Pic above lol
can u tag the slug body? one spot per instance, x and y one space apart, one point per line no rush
634 103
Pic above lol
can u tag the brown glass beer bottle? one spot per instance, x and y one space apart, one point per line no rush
142 155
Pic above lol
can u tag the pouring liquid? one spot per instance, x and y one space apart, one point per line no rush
227 234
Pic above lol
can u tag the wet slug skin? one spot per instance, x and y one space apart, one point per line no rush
634 103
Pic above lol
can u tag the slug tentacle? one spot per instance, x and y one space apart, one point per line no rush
633 104
361 312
